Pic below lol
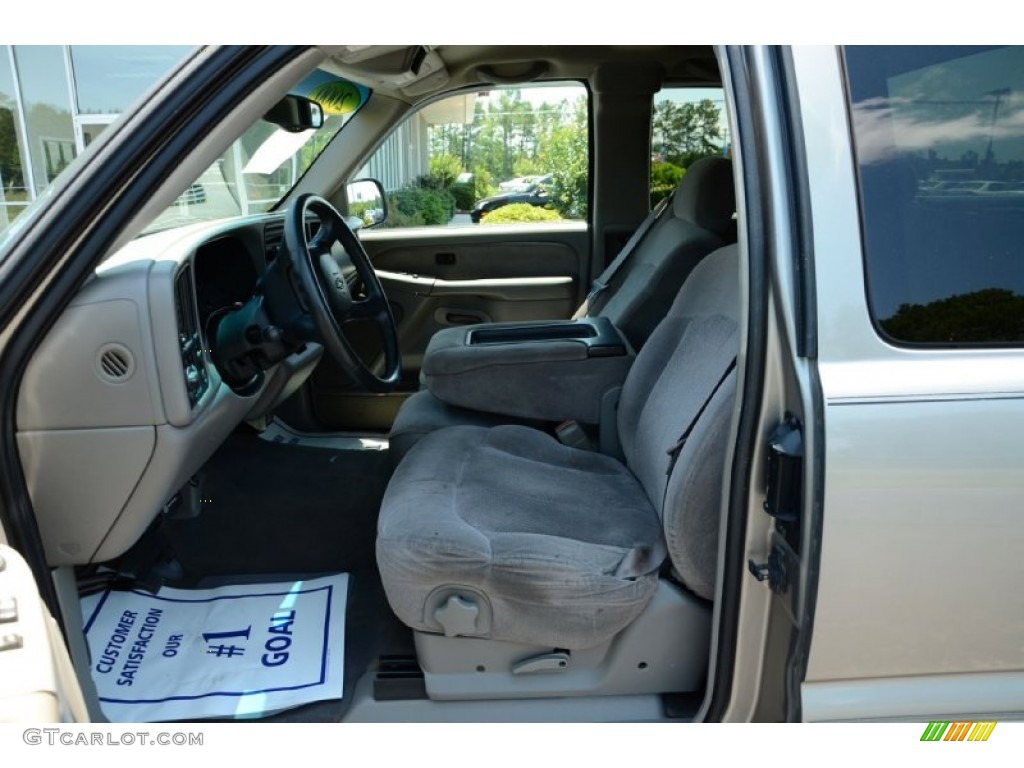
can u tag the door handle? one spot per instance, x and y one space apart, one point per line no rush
445 316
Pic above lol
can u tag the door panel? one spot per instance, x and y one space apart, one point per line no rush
441 277
920 594
37 681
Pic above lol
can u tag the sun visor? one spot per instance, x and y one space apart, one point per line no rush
410 70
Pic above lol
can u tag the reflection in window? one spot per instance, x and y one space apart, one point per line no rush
14 195
44 92
58 154
109 78
939 134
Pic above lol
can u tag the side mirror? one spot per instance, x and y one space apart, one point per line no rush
296 114
367 201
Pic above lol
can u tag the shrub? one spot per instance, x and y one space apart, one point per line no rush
483 183
464 194
415 206
515 213
445 169
666 174
665 177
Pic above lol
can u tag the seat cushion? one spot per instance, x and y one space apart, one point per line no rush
423 414
548 537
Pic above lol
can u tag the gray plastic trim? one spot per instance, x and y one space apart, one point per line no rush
599 709
79 481
101 458
664 651
71 613
179 453
63 388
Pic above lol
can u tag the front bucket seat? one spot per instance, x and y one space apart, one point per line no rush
504 533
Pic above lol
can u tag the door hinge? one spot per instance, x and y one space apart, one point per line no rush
775 571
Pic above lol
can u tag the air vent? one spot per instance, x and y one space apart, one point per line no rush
192 358
273 234
115 363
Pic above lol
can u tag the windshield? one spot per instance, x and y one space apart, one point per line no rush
262 166
47 124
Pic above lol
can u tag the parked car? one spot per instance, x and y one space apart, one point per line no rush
795 496
532 190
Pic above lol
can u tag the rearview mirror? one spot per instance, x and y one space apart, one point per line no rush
296 114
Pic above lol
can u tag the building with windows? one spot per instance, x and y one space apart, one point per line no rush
55 99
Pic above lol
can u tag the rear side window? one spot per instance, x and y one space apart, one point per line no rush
939 138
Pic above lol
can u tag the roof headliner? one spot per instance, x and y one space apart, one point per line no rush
389 69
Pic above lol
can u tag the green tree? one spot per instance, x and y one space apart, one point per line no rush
683 133
565 154
512 136
445 169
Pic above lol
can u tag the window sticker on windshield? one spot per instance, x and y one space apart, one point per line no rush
335 95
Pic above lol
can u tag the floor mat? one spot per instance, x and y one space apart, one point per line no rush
229 652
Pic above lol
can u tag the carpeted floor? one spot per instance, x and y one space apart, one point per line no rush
271 508
280 511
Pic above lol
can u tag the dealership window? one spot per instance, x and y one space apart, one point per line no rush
686 125
939 137
109 78
506 155
56 99
47 102
15 194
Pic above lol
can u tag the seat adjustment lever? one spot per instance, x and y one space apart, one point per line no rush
556 661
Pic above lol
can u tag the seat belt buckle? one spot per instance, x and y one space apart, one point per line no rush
570 433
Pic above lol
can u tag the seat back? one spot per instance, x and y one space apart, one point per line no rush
684 368
638 296
699 220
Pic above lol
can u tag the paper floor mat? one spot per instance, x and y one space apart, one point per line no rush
242 651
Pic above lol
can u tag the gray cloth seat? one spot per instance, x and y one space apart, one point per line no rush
699 220
545 544
538 528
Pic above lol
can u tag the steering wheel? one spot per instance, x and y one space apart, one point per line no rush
327 295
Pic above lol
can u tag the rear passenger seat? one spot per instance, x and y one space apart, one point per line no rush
636 296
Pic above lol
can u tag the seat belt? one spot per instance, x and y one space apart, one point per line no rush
678 445
601 284
640 561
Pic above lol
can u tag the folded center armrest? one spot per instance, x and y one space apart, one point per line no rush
541 370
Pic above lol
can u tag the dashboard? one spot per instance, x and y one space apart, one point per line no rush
122 404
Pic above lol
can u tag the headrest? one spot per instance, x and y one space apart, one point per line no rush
706 196
713 287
